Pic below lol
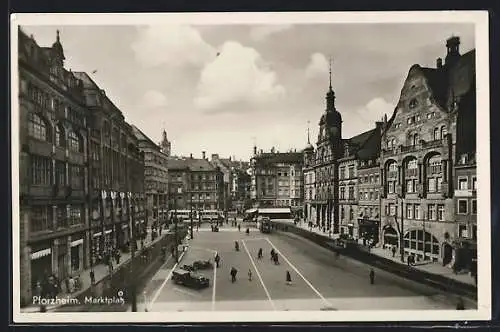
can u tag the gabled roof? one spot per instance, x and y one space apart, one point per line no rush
143 137
199 165
275 158
177 163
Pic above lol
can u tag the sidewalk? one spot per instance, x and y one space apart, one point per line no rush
101 271
430 267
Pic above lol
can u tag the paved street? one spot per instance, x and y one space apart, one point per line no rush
320 281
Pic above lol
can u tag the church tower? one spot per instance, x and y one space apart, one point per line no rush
165 144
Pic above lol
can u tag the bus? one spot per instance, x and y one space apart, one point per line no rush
265 225
183 215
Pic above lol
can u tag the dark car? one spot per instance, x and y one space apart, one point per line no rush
198 265
189 279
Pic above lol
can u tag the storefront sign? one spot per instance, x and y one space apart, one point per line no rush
77 242
41 253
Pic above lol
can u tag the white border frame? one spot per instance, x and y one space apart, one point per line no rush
478 18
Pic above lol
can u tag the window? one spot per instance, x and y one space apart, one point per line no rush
342 193
443 132
37 127
410 186
392 209
351 214
59 135
474 206
342 173
462 206
391 187
342 212
432 212
76 177
74 142
429 115
416 211
75 215
41 171
440 212
413 103
434 174
41 218
474 185
437 134
351 193
409 211
462 183
418 117
351 172
431 185
60 173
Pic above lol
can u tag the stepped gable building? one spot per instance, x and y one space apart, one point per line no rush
155 178
52 166
430 133
276 179
116 173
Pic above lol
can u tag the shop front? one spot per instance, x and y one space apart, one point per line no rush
76 252
390 237
41 262
63 264
108 240
96 254
368 230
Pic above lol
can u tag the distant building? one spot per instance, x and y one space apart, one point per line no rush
225 166
277 180
156 178
165 145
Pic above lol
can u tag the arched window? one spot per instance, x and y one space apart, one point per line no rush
392 177
37 127
437 134
443 132
74 142
434 174
414 139
421 243
411 175
60 141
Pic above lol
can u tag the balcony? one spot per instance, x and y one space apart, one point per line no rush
464 193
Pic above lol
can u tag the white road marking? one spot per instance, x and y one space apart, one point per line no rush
213 287
300 274
258 275
203 248
155 297
184 291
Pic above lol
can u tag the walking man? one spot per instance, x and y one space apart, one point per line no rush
249 275
259 254
217 259
239 227
92 277
288 278
393 251
233 274
372 277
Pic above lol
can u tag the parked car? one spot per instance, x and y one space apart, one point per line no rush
190 279
198 265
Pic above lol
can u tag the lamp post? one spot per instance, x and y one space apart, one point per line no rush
133 244
179 191
401 230
191 214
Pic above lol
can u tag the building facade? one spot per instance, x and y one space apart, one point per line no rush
178 183
432 125
277 179
155 179
77 168
225 166
206 185
116 175
241 187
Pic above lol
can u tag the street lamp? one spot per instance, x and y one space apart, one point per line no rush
191 214
133 244
401 231
179 191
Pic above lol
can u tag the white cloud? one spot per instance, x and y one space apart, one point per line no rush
154 99
318 66
375 109
237 76
261 32
175 45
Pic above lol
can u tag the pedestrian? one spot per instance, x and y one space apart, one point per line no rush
217 259
249 275
233 274
71 284
117 256
276 261
288 278
92 277
460 304
239 227
393 251
372 276
259 254
272 254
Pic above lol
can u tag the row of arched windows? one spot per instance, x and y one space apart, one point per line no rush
412 139
431 176
40 129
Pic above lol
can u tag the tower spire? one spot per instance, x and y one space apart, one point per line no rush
330 73
308 136
57 36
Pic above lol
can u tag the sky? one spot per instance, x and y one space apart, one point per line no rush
223 88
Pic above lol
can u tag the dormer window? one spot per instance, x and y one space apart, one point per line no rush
413 103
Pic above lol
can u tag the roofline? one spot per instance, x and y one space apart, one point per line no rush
146 136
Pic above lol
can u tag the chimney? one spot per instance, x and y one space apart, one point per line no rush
204 154
191 155
439 63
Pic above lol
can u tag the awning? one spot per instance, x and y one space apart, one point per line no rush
41 253
350 224
124 226
251 211
97 234
76 242
275 210
108 231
